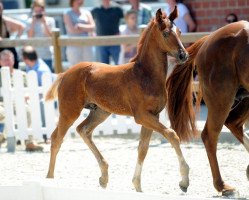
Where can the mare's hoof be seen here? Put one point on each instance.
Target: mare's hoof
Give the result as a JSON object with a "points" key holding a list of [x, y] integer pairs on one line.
{"points": [[247, 172], [102, 182], [184, 189]]}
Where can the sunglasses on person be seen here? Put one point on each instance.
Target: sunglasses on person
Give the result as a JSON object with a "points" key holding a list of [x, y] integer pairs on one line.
{"points": [[230, 20]]}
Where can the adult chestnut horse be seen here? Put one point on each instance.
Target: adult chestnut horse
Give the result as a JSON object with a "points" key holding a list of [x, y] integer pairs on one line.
{"points": [[135, 89], [222, 63]]}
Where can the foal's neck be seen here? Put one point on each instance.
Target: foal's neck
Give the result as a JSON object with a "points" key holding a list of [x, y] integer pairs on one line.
{"points": [[154, 60]]}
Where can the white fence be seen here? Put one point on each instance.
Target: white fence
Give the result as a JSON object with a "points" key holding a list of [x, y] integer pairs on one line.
{"points": [[22, 101]]}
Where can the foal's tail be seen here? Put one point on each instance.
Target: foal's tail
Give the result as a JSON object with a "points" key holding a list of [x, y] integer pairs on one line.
{"points": [[53, 92], [179, 87]]}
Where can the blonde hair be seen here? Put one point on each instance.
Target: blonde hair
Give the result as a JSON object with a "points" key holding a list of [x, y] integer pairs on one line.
{"points": [[130, 12], [38, 3], [6, 52]]}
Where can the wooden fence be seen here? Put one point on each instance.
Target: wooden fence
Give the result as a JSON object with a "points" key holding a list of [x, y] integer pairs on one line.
{"points": [[58, 42], [15, 92]]}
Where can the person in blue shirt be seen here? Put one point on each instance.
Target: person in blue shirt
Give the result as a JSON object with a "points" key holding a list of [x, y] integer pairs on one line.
{"points": [[33, 62]]}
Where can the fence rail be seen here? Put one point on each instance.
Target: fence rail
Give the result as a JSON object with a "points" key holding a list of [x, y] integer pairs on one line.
{"points": [[58, 41]]}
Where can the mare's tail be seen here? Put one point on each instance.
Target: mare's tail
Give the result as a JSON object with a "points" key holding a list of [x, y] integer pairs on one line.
{"points": [[52, 92], [180, 99]]}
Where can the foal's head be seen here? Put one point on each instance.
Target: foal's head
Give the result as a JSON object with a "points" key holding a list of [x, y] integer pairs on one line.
{"points": [[168, 34]]}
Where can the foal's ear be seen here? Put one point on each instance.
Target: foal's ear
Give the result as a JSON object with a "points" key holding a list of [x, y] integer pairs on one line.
{"points": [[173, 15], [159, 18]]}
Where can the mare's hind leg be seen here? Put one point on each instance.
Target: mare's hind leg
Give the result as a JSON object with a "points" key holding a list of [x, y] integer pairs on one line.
{"points": [[235, 121], [212, 129], [142, 151], [85, 130], [151, 121]]}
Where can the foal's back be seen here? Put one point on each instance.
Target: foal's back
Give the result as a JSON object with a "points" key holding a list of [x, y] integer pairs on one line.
{"points": [[109, 87]]}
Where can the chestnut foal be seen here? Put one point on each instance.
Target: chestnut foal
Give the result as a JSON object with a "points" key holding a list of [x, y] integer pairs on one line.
{"points": [[136, 89]]}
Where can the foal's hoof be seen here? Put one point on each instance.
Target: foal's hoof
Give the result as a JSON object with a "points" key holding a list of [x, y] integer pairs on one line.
{"points": [[230, 193], [183, 188], [137, 184], [102, 182], [184, 185], [247, 172]]}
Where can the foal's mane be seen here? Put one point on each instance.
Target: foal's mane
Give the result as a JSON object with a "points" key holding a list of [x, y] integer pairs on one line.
{"points": [[143, 41]]}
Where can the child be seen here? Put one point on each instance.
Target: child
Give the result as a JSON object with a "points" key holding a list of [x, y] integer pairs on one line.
{"points": [[131, 28]]}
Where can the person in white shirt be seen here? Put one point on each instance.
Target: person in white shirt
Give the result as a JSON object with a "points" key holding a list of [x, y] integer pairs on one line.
{"points": [[79, 23], [40, 25]]}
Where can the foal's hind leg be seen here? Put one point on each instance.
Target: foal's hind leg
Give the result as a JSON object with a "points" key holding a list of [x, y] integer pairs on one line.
{"points": [[56, 140], [142, 151], [85, 130], [151, 121]]}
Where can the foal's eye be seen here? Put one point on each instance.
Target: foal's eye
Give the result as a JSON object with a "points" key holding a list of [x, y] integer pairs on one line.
{"points": [[166, 33]]}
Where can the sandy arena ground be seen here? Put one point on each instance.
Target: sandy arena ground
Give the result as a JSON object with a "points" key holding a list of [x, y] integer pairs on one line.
{"points": [[77, 168]]}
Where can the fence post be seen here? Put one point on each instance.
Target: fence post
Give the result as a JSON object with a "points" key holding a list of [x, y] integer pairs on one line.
{"points": [[57, 50]]}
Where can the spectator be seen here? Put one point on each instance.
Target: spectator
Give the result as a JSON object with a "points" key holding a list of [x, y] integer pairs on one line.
{"points": [[184, 20], [129, 50], [107, 19], [34, 63], [144, 13], [9, 26], [7, 59], [230, 18], [40, 25], [78, 22]]}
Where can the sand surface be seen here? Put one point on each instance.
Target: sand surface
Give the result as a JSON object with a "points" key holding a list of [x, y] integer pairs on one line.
{"points": [[76, 166]]}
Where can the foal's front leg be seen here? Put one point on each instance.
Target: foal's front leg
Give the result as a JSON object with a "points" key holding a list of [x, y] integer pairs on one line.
{"points": [[151, 121], [142, 151]]}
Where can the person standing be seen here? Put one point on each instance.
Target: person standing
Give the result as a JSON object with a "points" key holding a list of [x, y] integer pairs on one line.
{"points": [[7, 27], [78, 22], [107, 19], [128, 51], [144, 13], [184, 21], [40, 25]]}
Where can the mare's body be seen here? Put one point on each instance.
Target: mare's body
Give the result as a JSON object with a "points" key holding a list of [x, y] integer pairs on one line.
{"points": [[222, 63], [136, 89]]}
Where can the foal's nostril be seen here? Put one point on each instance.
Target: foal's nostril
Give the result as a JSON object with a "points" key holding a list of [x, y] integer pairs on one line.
{"points": [[183, 56]]}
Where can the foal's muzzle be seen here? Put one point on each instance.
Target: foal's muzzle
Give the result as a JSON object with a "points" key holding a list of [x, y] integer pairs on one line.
{"points": [[182, 56]]}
